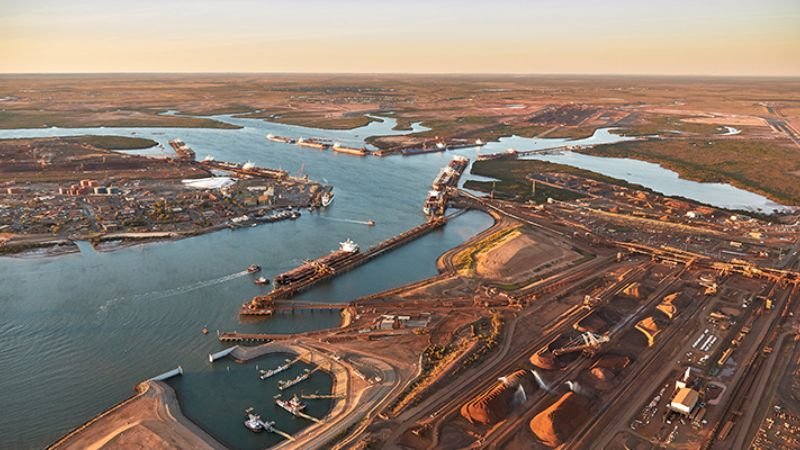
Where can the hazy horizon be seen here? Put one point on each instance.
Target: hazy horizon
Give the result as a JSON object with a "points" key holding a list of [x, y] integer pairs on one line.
{"points": [[620, 37]]}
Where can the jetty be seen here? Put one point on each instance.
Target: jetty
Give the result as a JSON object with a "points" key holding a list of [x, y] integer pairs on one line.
{"points": [[320, 396], [235, 336], [264, 374], [286, 384], [264, 304]]}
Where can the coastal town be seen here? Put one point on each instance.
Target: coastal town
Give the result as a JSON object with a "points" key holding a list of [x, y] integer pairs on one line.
{"points": [[56, 191]]}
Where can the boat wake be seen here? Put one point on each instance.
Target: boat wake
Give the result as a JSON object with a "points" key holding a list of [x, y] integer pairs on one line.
{"points": [[357, 222], [155, 295]]}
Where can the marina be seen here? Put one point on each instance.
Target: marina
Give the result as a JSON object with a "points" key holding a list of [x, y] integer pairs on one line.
{"points": [[236, 383]]}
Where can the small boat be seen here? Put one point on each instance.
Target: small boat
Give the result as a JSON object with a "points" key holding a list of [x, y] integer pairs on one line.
{"points": [[371, 223], [253, 268], [327, 198], [261, 281]]}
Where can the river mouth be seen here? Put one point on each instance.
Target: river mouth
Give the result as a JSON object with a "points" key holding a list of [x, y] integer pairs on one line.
{"points": [[216, 396]]}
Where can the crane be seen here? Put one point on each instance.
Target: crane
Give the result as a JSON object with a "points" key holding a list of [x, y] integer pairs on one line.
{"points": [[588, 342]]}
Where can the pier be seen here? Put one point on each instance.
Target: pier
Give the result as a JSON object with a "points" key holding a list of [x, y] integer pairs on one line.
{"points": [[286, 384], [262, 303], [304, 306], [220, 354], [320, 396], [238, 169], [167, 375], [235, 336]]}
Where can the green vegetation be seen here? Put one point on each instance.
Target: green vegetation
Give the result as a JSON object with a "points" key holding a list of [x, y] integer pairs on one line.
{"points": [[114, 142], [79, 119], [488, 334], [513, 183], [466, 261], [761, 166]]}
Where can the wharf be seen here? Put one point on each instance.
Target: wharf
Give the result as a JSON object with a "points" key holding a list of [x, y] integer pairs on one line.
{"points": [[261, 172], [263, 302], [514, 154], [297, 305], [235, 336]]}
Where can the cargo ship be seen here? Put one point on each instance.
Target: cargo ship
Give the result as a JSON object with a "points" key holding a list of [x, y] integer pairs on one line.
{"points": [[508, 154], [420, 151], [182, 150], [337, 147], [444, 178], [325, 264], [312, 143], [459, 163], [281, 139], [434, 204]]}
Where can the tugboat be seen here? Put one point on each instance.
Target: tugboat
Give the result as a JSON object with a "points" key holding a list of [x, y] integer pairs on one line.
{"points": [[261, 281], [253, 422], [294, 405], [253, 268], [327, 199]]}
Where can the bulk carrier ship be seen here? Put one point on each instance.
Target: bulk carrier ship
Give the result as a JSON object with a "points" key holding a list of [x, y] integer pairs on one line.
{"points": [[329, 262]]}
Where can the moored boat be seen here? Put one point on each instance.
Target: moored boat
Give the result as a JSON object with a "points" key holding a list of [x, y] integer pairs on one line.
{"points": [[293, 405], [327, 198]]}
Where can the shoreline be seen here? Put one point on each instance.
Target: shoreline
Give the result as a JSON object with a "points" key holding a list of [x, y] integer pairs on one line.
{"points": [[154, 405], [154, 410]]}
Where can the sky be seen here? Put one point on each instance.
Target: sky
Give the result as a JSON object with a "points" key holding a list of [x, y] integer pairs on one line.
{"points": [[687, 37]]}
